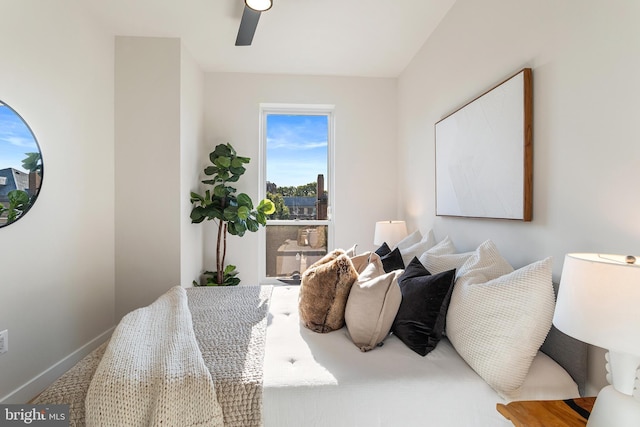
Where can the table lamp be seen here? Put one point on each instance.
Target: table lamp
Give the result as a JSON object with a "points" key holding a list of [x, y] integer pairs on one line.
{"points": [[390, 232], [599, 303]]}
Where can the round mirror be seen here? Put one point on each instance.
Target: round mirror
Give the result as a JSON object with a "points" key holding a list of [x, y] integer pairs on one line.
{"points": [[20, 166]]}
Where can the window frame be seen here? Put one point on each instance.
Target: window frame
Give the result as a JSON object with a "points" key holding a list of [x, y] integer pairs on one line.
{"points": [[327, 110]]}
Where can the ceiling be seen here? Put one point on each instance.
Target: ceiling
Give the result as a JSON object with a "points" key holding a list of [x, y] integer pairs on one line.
{"points": [[375, 38]]}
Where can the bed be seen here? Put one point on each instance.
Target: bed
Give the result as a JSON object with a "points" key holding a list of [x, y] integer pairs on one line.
{"points": [[325, 380], [268, 369]]}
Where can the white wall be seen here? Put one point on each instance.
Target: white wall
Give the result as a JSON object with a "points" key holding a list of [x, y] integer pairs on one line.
{"points": [[147, 155], [586, 158], [191, 153], [57, 263], [365, 152], [158, 139]]}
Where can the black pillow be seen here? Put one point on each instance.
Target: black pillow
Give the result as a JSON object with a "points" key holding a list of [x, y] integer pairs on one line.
{"points": [[383, 250], [392, 261], [423, 310]]}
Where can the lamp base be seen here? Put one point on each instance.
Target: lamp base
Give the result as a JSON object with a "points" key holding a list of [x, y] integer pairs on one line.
{"points": [[613, 408]]}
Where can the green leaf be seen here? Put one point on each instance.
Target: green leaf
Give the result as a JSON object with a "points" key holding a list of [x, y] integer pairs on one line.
{"points": [[213, 212], [221, 150], [220, 191], [210, 170], [252, 225], [32, 162], [231, 214], [222, 162], [237, 171], [232, 151], [244, 200], [197, 214], [17, 198], [195, 197], [236, 163], [266, 206], [243, 212], [232, 281], [240, 228], [243, 159]]}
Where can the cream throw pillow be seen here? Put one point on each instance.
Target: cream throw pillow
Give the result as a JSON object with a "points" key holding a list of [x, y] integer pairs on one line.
{"points": [[485, 263], [498, 319], [409, 240], [416, 249], [372, 305], [443, 257]]}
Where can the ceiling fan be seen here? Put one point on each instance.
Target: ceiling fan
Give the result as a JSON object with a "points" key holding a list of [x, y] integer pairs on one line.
{"points": [[249, 22]]}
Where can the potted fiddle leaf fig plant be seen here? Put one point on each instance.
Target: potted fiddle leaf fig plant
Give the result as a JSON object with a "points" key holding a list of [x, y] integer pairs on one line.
{"points": [[233, 214]]}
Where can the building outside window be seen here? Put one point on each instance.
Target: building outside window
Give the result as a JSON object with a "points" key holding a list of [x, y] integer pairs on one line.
{"points": [[296, 174]]}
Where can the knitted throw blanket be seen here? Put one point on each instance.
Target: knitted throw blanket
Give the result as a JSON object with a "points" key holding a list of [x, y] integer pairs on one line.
{"points": [[230, 324], [152, 372]]}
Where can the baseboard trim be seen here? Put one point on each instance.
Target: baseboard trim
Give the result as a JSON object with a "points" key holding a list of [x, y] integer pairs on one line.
{"points": [[33, 387]]}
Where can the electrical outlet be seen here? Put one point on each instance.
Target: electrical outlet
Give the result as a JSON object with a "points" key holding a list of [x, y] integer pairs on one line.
{"points": [[4, 341]]}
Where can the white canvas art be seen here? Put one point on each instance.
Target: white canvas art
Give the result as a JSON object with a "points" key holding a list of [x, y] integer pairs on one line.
{"points": [[483, 155]]}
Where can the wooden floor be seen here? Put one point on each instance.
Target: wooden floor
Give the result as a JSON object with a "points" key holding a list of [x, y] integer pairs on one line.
{"points": [[548, 413]]}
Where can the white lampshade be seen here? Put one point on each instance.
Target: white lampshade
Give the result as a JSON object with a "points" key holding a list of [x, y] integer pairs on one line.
{"points": [[259, 5], [599, 301], [390, 232]]}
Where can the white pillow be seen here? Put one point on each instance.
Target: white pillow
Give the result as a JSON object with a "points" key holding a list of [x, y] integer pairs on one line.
{"points": [[445, 246], [485, 263], [498, 325], [417, 249], [351, 252], [410, 240], [443, 257]]}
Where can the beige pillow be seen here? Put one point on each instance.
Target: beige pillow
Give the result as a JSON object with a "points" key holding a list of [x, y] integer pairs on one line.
{"points": [[361, 261], [372, 305], [324, 290]]}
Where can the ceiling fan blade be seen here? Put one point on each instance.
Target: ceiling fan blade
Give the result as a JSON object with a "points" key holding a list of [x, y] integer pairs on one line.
{"points": [[248, 26]]}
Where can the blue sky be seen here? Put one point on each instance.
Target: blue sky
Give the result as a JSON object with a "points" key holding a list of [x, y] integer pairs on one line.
{"points": [[15, 139], [296, 149]]}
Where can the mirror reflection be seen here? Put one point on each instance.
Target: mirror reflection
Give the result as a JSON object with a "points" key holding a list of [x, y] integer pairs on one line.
{"points": [[20, 166]]}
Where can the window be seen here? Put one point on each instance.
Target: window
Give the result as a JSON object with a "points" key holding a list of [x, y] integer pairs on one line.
{"points": [[296, 147]]}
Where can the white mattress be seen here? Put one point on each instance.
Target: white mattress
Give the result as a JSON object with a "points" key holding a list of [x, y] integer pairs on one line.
{"points": [[313, 379]]}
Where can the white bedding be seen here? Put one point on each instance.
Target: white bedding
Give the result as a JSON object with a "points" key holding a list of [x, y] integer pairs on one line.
{"points": [[313, 379]]}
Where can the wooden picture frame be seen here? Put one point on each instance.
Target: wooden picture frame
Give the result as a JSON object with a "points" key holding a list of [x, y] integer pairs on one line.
{"points": [[484, 154]]}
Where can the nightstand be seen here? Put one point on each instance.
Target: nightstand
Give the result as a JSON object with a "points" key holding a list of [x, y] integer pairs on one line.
{"points": [[548, 413]]}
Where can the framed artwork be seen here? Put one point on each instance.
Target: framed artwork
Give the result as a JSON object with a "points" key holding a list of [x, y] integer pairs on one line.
{"points": [[484, 154]]}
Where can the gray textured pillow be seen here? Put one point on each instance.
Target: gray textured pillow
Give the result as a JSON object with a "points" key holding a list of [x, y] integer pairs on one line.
{"points": [[372, 305]]}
